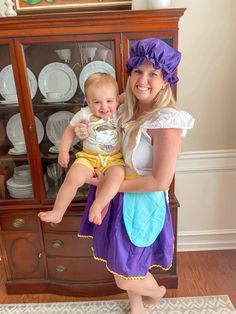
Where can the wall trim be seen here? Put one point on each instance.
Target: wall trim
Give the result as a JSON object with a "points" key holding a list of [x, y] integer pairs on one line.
{"points": [[206, 161], [205, 240]]}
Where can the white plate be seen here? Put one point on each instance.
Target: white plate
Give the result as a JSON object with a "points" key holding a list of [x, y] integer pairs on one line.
{"points": [[56, 125], [7, 82], [94, 67], [13, 151], [54, 150], [53, 100], [15, 130], [12, 184], [7, 102], [58, 77]]}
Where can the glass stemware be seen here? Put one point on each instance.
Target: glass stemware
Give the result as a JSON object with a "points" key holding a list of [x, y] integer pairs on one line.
{"points": [[55, 172]]}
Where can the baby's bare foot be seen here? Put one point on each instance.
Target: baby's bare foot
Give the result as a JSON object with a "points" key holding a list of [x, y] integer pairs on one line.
{"points": [[95, 215], [149, 302], [51, 216]]}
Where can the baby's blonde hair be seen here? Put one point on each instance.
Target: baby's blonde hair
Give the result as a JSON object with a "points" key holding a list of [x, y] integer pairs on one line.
{"points": [[99, 79], [163, 99]]}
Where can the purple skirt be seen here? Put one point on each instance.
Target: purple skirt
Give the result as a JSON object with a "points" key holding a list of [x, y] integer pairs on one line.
{"points": [[111, 242]]}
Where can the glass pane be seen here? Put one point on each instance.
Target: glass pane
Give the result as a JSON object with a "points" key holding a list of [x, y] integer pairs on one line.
{"points": [[15, 176], [61, 69], [168, 40]]}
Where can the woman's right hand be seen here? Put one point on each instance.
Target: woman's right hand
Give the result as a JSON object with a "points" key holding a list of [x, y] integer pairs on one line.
{"points": [[97, 179], [81, 130]]}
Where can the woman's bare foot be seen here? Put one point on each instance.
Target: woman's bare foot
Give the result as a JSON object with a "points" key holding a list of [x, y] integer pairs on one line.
{"points": [[149, 302], [137, 311], [51, 216], [136, 303]]}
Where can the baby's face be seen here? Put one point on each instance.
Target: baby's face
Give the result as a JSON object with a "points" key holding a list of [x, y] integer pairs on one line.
{"points": [[102, 100]]}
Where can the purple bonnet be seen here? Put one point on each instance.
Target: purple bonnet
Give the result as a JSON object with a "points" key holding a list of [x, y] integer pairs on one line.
{"points": [[160, 54]]}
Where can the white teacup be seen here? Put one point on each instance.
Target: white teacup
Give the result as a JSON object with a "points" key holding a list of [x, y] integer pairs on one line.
{"points": [[57, 144], [88, 53], [53, 95], [102, 53], [10, 97], [64, 54], [20, 147]]}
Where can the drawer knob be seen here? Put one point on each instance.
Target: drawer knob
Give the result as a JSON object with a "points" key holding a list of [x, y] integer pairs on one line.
{"points": [[18, 223], [53, 225], [60, 268], [57, 244]]}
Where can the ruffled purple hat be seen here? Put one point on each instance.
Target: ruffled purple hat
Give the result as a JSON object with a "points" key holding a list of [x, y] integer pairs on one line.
{"points": [[161, 55]]}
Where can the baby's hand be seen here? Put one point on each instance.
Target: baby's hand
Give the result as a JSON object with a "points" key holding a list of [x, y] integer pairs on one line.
{"points": [[81, 130], [63, 159]]}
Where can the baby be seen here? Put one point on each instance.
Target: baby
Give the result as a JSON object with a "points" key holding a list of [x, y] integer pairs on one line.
{"points": [[100, 150]]}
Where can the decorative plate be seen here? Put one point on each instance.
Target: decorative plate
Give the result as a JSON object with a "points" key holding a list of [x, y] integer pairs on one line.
{"points": [[8, 102], [94, 67], [44, 100], [58, 77], [56, 125], [15, 130], [7, 82]]}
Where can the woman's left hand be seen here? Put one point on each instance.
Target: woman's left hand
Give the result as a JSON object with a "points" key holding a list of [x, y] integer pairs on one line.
{"points": [[81, 130], [97, 178]]}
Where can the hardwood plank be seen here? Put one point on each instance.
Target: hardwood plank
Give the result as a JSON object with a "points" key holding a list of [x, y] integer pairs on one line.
{"points": [[200, 274]]}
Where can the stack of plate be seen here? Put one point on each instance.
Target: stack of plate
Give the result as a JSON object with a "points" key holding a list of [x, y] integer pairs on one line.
{"points": [[20, 185]]}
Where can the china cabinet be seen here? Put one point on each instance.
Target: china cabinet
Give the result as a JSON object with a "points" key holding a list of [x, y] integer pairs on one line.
{"points": [[44, 60]]}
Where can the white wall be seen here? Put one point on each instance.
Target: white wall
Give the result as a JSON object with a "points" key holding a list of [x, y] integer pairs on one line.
{"points": [[207, 71], [2, 7], [205, 187], [206, 171]]}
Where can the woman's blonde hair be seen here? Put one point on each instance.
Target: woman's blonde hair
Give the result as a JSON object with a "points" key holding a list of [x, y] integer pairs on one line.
{"points": [[163, 99]]}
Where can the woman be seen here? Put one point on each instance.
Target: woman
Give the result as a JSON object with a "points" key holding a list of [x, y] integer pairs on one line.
{"points": [[136, 233]]}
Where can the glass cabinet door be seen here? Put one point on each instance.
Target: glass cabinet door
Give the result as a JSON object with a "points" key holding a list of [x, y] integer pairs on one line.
{"points": [[61, 70], [15, 175]]}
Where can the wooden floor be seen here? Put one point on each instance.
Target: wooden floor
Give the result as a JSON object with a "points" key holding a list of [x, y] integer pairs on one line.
{"points": [[200, 274]]}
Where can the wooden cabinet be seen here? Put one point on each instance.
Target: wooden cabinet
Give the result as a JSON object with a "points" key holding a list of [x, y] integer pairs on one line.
{"points": [[43, 60]]}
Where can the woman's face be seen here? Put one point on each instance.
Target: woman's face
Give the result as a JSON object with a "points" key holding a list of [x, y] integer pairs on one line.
{"points": [[146, 82]]}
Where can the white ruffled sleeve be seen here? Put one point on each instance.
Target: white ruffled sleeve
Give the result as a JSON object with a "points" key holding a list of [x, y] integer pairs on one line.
{"points": [[172, 118]]}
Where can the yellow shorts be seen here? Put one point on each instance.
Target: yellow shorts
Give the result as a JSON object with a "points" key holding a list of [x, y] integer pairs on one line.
{"points": [[99, 160]]}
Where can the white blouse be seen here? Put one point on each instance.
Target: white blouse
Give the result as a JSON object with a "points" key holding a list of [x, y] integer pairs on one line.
{"points": [[139, 160]]}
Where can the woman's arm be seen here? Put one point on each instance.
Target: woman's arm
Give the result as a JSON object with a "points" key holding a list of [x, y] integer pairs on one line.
{"points": [[166, 148]]}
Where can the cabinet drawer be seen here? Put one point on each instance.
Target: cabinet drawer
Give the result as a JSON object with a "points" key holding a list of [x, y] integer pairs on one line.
{"points": [[68, 223], [19, 222], [77, 269], [69, 244]]}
